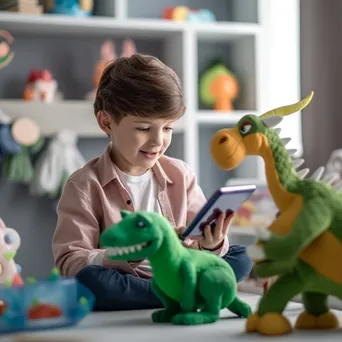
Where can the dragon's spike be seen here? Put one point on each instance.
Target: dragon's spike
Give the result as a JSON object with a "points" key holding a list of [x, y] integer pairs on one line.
{"points": [[285, 141], [297, 162], [286, 110], [338, 185], [272, 121], [302, 173], [291, 151], [330, 178], [318, 173], [277, 130]]}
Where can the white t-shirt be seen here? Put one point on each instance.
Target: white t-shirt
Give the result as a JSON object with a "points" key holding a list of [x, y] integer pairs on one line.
{"points": [[143, 191]]}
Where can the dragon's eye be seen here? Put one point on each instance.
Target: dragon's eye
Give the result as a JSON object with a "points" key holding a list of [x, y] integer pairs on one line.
{"points": [[245, 127], [141, 224]]}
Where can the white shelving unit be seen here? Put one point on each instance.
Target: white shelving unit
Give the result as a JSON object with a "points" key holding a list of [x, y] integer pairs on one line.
{"points": [[258, 39]]}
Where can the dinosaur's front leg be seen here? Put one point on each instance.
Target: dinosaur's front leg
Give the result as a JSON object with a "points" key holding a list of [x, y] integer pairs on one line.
{"points": [[171, 307], [268, 320]]}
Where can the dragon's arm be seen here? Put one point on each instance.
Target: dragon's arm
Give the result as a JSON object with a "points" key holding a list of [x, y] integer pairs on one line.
{"points": [[189, 276], [271, 268], [312, 220]]}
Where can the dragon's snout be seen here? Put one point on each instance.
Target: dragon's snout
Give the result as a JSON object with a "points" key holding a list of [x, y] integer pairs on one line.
{"points": [[227, 148]]}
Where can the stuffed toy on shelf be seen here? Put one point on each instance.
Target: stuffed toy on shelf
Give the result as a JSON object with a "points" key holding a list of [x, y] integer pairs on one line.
{"points": [[41, 86], [75, 8], [183, 13], [218, 87], [108, 54]]}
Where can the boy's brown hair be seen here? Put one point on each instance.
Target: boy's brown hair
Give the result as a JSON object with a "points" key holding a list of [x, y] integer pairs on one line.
{"points": [[139, 85]]}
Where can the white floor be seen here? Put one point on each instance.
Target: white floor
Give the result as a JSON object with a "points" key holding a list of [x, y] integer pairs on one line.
{"points": [[129, 326]]}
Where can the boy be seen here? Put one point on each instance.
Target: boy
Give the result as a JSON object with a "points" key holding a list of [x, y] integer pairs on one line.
{"points": [[137, 102]]}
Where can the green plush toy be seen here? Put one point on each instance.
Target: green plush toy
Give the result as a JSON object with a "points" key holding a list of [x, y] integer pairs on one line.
{"points": [[193, 285], [304, 243]]}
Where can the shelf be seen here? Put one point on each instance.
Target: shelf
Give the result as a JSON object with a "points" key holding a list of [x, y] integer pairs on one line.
{"points": [[219, 31], [208, 117], [47, 24], [51, 118]]}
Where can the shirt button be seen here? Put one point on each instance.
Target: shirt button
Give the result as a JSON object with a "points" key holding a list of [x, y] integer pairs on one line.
{"points": [[129, 202]]}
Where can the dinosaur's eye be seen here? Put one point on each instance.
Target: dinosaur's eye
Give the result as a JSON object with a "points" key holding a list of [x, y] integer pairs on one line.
{"points": [[245, 127], [141, 224]]}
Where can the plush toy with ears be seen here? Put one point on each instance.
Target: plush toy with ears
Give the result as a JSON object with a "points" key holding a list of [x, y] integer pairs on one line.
{"points": [[108, 54]]}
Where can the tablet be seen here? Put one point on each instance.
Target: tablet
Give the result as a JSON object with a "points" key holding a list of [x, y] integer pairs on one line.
{"points": [[226, 199]]}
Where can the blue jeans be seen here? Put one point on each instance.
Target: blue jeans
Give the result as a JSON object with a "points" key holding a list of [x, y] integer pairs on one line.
{"points": [[116, 291]]}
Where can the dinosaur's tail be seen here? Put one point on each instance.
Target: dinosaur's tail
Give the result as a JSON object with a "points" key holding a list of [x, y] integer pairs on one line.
{"points": [[240, 308]]}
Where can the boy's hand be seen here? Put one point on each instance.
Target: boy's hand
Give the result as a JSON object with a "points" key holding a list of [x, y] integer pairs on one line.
{"points": [[213, 238], [187, 242]]}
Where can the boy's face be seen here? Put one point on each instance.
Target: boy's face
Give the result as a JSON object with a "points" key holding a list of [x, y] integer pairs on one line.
{"points": [[138, 142]]}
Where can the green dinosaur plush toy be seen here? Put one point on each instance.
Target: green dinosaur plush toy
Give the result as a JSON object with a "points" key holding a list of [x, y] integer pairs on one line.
{"points": [[193, 285], [304, 243]]}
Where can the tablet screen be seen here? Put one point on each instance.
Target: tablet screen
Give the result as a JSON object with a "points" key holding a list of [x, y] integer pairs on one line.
{"points": [[226, 199]]}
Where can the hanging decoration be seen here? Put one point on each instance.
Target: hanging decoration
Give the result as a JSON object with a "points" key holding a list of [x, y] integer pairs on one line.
{"points": [[7, 144], [6, 55], [23, 139], [54, 166]]}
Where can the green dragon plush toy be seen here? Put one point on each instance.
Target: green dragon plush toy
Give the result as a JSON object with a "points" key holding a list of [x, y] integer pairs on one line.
{"points": [[193, 285], [304, 243]]}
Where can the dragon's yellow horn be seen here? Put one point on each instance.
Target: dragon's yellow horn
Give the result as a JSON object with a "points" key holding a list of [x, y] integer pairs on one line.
{"points": [[290, 109]]}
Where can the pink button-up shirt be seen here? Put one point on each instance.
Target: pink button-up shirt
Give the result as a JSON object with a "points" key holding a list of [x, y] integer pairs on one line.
{"points": [[93, 197]]}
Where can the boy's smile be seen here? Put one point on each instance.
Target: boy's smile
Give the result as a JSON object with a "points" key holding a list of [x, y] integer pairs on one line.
{"points": [[150, 155]]}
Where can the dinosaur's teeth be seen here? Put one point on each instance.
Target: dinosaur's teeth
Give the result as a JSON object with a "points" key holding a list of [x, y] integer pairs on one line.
{"points": [[272, 121], [318, 173], [113, 251], [302, 173], [297, 162], [285, 141]]}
